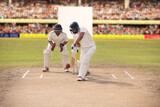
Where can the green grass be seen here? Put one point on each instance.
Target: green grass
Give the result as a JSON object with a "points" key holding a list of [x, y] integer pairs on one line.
{"points": [[16, 52]]}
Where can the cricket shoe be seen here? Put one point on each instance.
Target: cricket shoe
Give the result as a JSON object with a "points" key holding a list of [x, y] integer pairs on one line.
{"points": [[80, 79], [45, 69], [66, 69]]}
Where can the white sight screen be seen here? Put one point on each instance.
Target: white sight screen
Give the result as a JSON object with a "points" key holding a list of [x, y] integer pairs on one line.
{"points": [[82, 15]]}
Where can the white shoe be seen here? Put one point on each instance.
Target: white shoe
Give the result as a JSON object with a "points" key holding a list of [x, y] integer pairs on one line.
{"points": [[80, 79], [66, 69], [45, 69]]}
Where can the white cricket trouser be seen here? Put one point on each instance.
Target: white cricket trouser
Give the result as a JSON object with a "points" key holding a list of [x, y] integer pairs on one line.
{"points": [[47, 53], [86, 54]]}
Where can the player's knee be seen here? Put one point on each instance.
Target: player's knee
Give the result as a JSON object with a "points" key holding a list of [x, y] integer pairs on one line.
{"points": [[47, 52], [85, 59]]}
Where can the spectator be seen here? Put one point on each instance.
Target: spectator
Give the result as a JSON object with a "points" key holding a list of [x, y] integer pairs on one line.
{"points": [[126, 29], [106, 10], [97, 29], [29, 28]]}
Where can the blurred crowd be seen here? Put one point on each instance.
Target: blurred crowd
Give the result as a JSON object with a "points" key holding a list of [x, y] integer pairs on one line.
{"points": [[126, 29], [102, 10], [97, 29], [143, 10], [26, 28], [106, 9], [137, 10], [30, 10]]}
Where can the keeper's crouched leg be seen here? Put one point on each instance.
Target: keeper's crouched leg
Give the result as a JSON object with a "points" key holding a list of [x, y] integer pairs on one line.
{"points": [[47, 54], [65, 59]]}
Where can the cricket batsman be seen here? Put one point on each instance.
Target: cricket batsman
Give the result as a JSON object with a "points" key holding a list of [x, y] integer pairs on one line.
{"points": [[88, 48], [59, 39]]}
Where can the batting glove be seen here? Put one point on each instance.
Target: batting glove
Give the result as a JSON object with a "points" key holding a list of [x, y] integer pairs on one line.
{"points": [[77, 44]]}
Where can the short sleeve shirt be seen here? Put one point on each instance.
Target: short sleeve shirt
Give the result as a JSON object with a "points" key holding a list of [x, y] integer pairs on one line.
{"points": [[57, 39], [87, 40]]}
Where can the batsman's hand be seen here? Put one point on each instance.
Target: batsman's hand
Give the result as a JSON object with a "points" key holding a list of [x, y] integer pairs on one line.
{"points": [[61, 47], [53, 46], [77, 44]]}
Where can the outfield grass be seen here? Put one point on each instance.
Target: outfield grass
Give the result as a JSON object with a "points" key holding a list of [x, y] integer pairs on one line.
{"points": [[16, 52]]}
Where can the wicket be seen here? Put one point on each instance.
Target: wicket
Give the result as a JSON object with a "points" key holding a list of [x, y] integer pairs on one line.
{"points": [[75, 67]]}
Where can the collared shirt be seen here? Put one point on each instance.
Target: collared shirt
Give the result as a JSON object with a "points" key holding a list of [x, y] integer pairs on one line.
{"points": [[87, 40], [57, 39]]}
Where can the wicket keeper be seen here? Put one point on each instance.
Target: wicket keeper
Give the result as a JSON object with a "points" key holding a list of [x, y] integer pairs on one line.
{"points": [[59, 39]]}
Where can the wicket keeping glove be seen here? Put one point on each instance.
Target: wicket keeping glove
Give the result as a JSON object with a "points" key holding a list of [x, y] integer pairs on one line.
{"points": [[61, 47], [53, 46]]}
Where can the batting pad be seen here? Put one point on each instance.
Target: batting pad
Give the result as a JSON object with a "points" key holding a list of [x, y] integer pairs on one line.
{"points": [[82, 15]]}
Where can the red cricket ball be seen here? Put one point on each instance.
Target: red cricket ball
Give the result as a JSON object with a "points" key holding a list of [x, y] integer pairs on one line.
{"points": [[68, 66]]}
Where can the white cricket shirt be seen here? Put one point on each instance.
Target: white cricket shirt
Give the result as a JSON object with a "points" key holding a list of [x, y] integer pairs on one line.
{"points": [[87, 40], [57, 39]]}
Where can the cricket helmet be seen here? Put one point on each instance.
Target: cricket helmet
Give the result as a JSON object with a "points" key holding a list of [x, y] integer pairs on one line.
{"points": [[57, 27], [73, 26]]}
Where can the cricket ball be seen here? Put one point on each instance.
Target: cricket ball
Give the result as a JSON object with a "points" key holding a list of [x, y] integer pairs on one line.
{"points": [[68, 66]]}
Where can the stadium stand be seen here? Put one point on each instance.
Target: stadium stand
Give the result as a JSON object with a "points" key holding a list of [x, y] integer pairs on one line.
{"points": [[126, 29], [26, 28], [97, 29], [140, 17], [106, 10]]}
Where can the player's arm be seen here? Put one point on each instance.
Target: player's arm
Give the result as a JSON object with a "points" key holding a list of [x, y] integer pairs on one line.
{"points": [[79, 38], [64, 43], [51, 43], [65, 39], [50, 38]]}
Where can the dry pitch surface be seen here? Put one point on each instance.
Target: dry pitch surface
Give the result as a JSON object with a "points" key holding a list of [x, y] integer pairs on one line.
{"points": [[105, 87]]}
